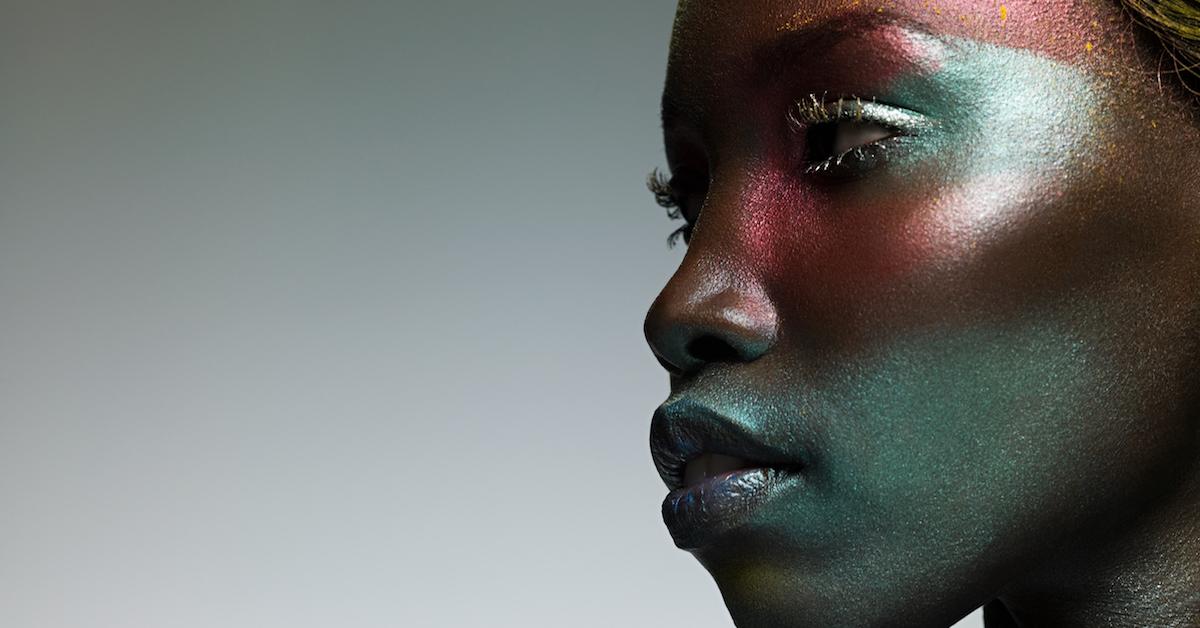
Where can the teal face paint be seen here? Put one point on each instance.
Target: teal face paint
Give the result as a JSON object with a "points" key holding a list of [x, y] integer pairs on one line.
{"points": [[955, 371]]}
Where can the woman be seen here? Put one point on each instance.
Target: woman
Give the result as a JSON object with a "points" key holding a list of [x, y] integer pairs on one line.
{"points": [[934, 341]]}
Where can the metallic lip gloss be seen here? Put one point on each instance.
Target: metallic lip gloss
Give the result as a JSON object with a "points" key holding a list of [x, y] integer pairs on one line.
{"points": [[698, 515]]}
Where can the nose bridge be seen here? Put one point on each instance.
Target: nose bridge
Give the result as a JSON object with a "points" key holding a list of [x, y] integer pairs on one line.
{"points": [[713, 284], [713, 309]]}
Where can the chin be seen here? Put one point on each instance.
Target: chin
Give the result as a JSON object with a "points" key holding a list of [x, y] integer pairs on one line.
{"points": [[820, 594]]}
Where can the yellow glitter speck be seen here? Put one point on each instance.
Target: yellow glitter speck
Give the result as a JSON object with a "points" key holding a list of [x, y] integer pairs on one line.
{"points": [[1003, 13], [1088, 46], [799, 20]]}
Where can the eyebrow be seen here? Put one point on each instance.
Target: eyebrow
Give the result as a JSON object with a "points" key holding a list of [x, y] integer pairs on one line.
{"points": [[795, 47]]}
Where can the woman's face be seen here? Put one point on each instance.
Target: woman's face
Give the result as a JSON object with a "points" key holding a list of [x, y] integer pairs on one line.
{"points": [[938, 305]]}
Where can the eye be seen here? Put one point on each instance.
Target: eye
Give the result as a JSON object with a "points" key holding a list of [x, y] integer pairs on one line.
{"points": [[850, 135], [831, 139]]}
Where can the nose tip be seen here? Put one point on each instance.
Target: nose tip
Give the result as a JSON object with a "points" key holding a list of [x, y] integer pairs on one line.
{"points": [[688, 328]]}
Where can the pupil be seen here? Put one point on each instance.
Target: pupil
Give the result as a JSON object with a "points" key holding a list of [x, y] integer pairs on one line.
{"points": [[820, 140]]}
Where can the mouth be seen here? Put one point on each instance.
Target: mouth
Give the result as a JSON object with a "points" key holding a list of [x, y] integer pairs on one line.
{"points": [[719, 474], [709, 466]]}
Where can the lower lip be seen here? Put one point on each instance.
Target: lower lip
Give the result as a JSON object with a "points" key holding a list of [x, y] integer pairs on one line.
{"points": [[697, 515]]}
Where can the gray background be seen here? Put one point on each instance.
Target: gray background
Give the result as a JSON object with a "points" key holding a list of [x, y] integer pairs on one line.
{"points": [[329, 314]]}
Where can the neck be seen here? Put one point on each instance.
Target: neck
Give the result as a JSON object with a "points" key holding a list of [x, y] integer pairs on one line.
{"points": [[1148, 574]]}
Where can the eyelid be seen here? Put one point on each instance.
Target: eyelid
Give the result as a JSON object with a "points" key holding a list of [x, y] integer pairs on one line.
{"points": [[817, 110]]}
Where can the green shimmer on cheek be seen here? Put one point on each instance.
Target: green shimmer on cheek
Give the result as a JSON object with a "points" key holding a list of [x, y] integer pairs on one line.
{"points": [[933, 450], [939, 408]]}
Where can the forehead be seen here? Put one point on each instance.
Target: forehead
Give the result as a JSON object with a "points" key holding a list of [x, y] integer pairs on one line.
{"points": [[728, 32]]}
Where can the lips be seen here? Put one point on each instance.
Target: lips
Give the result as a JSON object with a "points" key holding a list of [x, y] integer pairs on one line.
{"points": [[720, 471]]}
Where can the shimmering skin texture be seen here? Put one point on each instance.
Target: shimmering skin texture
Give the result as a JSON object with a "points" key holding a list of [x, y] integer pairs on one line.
{"points": [[984, 346]]}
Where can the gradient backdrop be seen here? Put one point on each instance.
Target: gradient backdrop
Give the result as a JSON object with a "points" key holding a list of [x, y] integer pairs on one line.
{"points": [[326, 314]]}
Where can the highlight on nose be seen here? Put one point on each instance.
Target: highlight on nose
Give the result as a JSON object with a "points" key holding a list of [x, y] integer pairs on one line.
{"points": [[687, 331]]}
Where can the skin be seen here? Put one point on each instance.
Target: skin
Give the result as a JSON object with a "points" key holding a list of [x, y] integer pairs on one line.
{"points": [[983, 347]]}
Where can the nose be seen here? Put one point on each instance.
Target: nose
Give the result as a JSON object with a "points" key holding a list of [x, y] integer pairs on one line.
{"points": [[710, 314]]}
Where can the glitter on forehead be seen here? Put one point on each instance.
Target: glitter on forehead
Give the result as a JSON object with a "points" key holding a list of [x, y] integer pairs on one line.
{"points": [[1030, 24]]}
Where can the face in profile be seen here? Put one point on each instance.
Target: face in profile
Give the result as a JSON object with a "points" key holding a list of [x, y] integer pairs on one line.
{"points": [[933, 342]]}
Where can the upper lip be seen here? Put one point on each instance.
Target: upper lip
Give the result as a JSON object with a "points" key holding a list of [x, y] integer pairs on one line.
{"points": [[683, 428]]}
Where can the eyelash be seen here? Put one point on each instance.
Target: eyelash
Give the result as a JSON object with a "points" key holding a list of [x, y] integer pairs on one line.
{"points": [[666, 197]]}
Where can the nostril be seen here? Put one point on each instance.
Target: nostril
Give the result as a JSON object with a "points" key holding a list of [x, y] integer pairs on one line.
{"points": [[709, 348], [694, 322]]}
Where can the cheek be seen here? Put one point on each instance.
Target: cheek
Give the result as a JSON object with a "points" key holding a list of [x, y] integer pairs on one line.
{"points": [[1009, 245], [1033, 339], [889, 265], [1007, 428]]}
